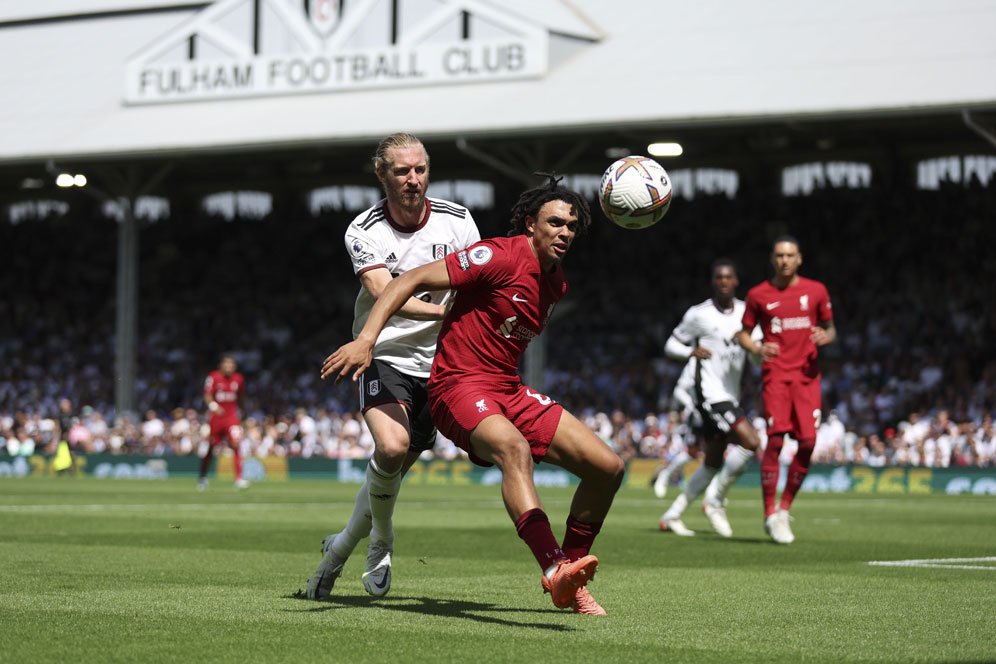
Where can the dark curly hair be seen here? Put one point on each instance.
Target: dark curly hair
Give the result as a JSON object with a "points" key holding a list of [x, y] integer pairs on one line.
{"points": [[532, 200], [722, 262]]}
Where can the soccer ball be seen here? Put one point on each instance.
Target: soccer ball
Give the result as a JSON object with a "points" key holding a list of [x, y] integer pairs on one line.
{"points": [[635, 192]]}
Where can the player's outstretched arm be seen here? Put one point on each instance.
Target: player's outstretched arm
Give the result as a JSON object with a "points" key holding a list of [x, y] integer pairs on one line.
{"points": [[357, 355], [375, 281]]}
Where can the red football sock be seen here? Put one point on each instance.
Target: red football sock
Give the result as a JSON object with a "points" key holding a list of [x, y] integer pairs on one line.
{"points": [[237, 462], [533, 527], [769, 473], [579, 537], [797, 472], [206, 462]]}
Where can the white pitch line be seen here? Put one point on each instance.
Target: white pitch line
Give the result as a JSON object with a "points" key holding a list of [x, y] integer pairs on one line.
{"points": [[939, 563]]}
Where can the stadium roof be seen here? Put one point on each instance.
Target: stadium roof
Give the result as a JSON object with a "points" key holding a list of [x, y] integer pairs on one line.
{"points": [[145, 79]]}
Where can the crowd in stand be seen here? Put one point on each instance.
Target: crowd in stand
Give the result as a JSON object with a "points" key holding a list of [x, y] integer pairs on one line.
{"points": [[911, 380]]}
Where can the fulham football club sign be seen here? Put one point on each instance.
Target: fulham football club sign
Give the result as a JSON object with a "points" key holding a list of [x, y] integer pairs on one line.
{"points": [[240, 48]]}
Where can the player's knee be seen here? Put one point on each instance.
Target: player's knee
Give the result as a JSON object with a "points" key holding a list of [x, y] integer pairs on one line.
{"points": [[512, 455], [612, 472], [393, 448], [806, 448], [714, 461], [748, 439]]}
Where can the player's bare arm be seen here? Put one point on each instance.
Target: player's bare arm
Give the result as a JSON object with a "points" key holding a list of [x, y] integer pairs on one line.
{"points": [[357, 355], [211, 404], [767, 350], [375, 281], [824, 334]]}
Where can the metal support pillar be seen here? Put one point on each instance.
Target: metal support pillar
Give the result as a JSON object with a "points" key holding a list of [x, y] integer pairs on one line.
{"points": [[126, 319], [124, 186]]}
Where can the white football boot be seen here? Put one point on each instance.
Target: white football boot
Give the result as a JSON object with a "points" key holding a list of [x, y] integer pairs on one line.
{"points": [[717, 517], [676, 526], [777, 527], [321, 582], [661, 482], [377, 578]]}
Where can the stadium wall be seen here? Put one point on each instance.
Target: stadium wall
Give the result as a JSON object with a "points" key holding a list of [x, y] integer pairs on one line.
{"points": [[821, 479]]}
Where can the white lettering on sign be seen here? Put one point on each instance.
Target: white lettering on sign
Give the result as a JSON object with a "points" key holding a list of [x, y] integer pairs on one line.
{"points": [[347, 46]]}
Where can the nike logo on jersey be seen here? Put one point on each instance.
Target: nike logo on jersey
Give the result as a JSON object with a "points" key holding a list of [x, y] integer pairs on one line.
{"points": [[518, 298], [772, 305]]}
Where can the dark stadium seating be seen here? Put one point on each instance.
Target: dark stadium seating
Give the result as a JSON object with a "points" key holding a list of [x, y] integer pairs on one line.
{"points": [[911, 275]]}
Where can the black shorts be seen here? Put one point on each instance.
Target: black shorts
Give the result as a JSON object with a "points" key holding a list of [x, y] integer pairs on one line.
{"points": [[383, 384], [720, 416]]}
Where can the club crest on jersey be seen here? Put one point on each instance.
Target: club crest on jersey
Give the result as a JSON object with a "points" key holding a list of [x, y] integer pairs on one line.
{"points": [[439, 251], [373, 387], [480, 255], [804, 302]]}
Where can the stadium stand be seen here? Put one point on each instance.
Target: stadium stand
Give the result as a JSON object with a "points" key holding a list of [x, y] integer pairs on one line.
{"points": [[911, 273]]}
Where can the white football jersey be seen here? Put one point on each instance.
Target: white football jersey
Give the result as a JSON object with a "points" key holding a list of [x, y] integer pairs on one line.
{"points": [[373, 240], [717, 378]]}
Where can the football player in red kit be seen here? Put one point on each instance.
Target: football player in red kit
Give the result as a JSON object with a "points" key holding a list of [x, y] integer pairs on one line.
{"points": [[506, 290], [796, 319], [224, 395]]}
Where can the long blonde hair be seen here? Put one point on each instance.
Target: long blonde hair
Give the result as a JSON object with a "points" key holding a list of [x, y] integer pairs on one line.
{"points": [[396, 140]]}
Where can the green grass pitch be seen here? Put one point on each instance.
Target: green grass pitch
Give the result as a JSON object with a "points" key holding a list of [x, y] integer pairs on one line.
{"points": [[133, 571]]}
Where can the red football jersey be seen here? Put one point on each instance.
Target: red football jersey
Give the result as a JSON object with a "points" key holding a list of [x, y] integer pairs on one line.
{"points": [[225, 390], [503, 301], [787, 316]]}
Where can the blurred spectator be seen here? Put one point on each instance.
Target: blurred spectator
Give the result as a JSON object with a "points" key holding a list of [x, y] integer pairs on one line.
{"points": [[913, 381]]}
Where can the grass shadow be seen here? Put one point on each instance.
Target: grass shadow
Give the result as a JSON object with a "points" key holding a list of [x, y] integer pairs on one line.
{"points": [[444, 608], [713, 537]]}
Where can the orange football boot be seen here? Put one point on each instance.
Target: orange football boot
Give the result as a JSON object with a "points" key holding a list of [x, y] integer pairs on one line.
{"points": [[567, 578]]}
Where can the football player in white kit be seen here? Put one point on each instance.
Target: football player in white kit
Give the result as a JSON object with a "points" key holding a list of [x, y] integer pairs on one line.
{"points": [[683, 404], [401, 232], [705, 338]]}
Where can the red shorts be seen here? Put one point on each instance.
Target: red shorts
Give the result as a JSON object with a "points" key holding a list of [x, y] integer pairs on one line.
{"points": [[793, 408], [457, 410], [225, 428]]}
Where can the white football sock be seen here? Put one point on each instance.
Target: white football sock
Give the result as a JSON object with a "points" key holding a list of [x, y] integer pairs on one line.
{"points": [[356, 528], [699, 481], [677, 508], [383, 495], [677, 463], [736, 461]]}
